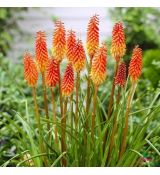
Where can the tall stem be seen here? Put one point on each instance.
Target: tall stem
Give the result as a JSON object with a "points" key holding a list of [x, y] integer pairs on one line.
{"points": [[88, 88], [63, 127], [94, 112], [45, 101], [110, 104], [42, 149], [87, 107], [60, 92], [54, 118], [112, 91], [125, 129], [71, 115], [114, 124], [77, 101]]}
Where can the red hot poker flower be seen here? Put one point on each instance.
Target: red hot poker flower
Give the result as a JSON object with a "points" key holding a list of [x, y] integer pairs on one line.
{"points": [[68, 81], [52, 73], [41, 51], [135, 66], [98, 69], [59, 41], [93, 35], [120, 78], [30, 70], [79, 56], [118, 46], [70, 44]]}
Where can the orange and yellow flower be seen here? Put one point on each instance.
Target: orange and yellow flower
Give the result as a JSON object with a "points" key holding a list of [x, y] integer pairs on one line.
{"points": [[98, 69], [93, 35], [118, 46], [41, 51], [67, 85], [70, 44], [59, 41], [30, 70], [120, 78], [79, 58], [135, 66], [52, 73]]}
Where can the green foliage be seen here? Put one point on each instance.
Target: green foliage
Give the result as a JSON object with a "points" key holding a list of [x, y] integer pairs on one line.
{"points": [[19, 131], [8, 23], [151, 63]]}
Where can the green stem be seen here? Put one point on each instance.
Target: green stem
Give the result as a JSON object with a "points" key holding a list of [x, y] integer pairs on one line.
{"points": [[94, 112], [125, 129], [112, 91], [87, 111], [42, 149], [71, 114], [60, 92], [63, 139], [110, 104], [54, 118], [114, 125], [77, 101], [45, 101]]}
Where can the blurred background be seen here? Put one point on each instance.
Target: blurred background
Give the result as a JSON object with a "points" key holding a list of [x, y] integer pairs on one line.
{"points": [[18, 27]]}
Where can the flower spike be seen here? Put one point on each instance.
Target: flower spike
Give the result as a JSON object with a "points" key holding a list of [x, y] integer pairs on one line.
{"points": [[79, 57], [135, 66], [59, 41], [120, 78], [93, 35], [30, 70], [68, 81], [118, 46], [98, 69], [41, 51], [70, 44], [52, 73]]}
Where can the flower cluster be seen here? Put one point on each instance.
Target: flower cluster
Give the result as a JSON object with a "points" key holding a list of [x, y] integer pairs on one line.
{"points": [[68, 45], [30, 70], [118, 46], [98, 69], [93, 36]]}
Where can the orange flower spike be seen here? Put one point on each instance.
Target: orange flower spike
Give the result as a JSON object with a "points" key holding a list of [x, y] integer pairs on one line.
{"points": [[68, 81], [70, 44], [93, 35], [30, 70], [52, 73], [118, 46], [120, 78], [98, 69], [79, 59], [135, 66], [41, 51], [59, 41]]}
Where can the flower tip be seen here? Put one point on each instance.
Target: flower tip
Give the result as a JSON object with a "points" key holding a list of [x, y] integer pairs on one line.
{"points": [[120, 78], [67, 85], [79, 58], [59, 41], [41, 51], [52, 73], [98, 69], [135, 66], [30, 70], [118, 45], [93, 35]]}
